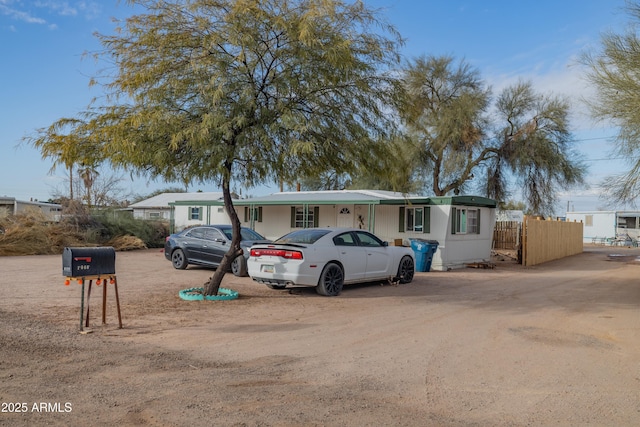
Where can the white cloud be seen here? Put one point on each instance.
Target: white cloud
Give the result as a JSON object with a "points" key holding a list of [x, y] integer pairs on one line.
{"points": [[6, 9], [565, 79], [60, 8], [90, 9], [17, 10]]}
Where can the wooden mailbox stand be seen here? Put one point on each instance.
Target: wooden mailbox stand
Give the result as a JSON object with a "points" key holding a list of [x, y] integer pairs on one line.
{"points": [[103, 280]]}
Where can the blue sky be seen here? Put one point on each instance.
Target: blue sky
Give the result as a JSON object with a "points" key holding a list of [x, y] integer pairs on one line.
{"points": [[44, 75]]}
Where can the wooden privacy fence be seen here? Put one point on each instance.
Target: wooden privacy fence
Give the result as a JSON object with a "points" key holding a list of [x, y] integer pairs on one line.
{"points": [[544, 241], [506, 235]]}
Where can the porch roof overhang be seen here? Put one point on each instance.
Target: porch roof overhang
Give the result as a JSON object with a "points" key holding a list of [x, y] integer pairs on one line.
{"points": [[347, 197]]}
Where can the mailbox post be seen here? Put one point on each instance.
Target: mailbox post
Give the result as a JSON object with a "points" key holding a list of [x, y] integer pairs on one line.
{"points": [[99, 264]]}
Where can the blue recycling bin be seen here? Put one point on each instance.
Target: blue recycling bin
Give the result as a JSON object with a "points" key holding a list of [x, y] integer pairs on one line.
{"points": [[423, 251]]}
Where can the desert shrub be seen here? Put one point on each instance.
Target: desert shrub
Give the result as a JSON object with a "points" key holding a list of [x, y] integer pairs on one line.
{"points": [[110, 224], [126, 243], [32, 233]]}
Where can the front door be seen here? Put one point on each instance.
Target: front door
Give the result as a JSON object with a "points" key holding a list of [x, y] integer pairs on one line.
{"points": [[345, 216]]}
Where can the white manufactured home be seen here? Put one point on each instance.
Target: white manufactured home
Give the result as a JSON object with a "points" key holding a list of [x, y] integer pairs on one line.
{"points": [[158, 208], [608, 226], [463, 225]]}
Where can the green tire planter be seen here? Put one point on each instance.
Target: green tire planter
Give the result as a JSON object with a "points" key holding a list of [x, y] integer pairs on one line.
{"points": [[197, 294]]}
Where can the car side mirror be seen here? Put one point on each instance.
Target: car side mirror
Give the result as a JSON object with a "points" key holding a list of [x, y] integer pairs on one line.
{"points": [[385, 243]]}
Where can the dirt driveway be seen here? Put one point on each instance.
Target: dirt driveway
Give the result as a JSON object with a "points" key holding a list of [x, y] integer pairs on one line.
{"points": [[557, 344]]}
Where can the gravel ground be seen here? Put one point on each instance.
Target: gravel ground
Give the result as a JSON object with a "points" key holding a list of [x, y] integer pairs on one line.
{"points": [[556, 344]]}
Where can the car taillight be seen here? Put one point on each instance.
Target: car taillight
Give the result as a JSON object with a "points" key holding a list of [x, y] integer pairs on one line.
{"points": [[277, 252]]}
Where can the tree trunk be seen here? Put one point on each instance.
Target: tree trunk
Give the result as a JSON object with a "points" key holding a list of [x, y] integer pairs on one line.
{"points": [[71, 182], [234, 250]]}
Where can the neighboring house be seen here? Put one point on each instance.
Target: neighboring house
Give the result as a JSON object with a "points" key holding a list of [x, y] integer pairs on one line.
{"points": [[158, 207], [11, 206], [510, 216], [463, 225], [606, 226]]}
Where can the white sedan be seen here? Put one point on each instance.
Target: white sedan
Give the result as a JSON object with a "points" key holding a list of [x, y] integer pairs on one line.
{"points": [[328, 258]]}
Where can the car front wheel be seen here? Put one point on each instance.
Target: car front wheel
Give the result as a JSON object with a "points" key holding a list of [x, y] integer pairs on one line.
{"points": [[331, 280], [179, 260], [406, 269]]}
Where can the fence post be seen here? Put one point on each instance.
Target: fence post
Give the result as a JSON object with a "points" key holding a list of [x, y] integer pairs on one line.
{"points": [[524, 240]]}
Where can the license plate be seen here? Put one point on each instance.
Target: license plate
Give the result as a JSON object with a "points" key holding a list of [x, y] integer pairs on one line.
{"points": [[266, 268]]}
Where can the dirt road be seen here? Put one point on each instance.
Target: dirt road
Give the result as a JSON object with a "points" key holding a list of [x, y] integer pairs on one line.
{"points": [[557, 344]]}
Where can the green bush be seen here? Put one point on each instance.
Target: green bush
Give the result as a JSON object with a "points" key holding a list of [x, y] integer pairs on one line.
{"points": [[111, 224]]}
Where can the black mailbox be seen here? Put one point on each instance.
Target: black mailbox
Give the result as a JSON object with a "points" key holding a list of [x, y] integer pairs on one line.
{"points": [[85, 262]]}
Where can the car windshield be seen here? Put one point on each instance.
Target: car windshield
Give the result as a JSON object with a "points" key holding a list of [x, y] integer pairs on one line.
{"points": [[245, 234], [310, 235]]}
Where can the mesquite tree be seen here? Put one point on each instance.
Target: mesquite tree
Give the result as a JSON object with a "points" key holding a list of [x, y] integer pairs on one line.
{"points": [[614, 71], [245, 91], [460, 134]]}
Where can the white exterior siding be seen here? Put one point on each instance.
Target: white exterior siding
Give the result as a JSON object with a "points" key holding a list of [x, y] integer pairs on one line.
{"points": [[11, 206], [159, 208], [328, 216], [276, 222], [605, 226], [51, 211], [460, 248], [208, 215], [387, 221], [152, 214], [379, 212], [596, 225]]}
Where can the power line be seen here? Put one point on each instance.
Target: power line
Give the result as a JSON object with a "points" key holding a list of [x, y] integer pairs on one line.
{"points": [[606, 159], [593, 139]]}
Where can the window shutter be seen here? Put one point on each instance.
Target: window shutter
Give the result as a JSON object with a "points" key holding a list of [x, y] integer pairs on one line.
{"points": [[246, 214], [478, 223], [293, 217], [259, 213], [401, 220], [316, 214], [426, 221], [453, 220]]}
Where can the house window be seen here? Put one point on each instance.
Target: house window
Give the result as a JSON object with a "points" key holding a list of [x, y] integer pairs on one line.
{"points": [[588, 220], [465, 221], [304, 216], [416, 219], [195, 213], [472, 221], [154, 215], [254, 214]]}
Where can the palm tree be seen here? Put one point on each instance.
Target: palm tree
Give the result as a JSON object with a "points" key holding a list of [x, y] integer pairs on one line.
{"points": [[88, 174]]}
